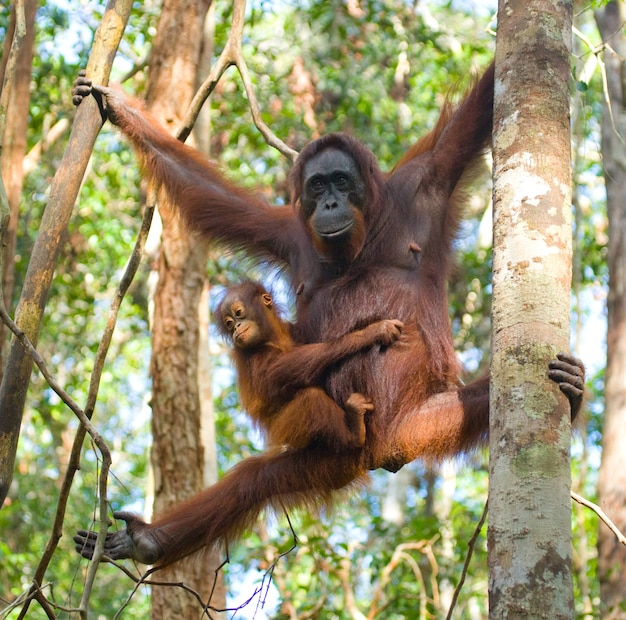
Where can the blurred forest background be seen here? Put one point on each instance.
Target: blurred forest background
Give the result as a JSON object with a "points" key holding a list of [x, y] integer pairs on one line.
{"points": [[379, 69]]}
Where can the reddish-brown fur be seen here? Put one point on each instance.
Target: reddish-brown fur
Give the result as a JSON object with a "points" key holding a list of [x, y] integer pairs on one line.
{"points": [[279, 380], [396, 267]]}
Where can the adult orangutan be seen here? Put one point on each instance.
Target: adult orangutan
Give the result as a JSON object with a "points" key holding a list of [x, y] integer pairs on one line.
{"points": [[359, 246]]}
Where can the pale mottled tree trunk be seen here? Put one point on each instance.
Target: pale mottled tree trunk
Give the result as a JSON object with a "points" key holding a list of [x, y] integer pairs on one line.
{"points": [[612, 482], [529, 496]]}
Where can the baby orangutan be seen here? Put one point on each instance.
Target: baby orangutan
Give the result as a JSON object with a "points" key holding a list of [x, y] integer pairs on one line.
{"points": [[279, 380]]}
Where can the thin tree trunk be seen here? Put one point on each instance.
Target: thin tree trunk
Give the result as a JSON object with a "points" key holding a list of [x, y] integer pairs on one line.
{"points": [[209, 443], [612, 481], [14, 150], [177, 454], [202, 135], [529, 495], [63, 192]]}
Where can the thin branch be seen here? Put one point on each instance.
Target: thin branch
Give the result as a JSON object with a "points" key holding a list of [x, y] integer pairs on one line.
{"points": [[85, 422], [39, 361], [143, 580], [31, 160], [596, 50], [266, 132], [603, 516], [607, 96], [103, 348], [233, 55], [468, 557], [417, 572], [399, 554], [136, 68], [343, 573], [84, 417], [203, 93]]}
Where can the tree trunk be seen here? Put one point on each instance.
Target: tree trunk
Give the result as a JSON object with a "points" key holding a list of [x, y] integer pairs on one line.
{"points": [[209, 443], [61, 199], [14, 150], [177, 454], [529, 497], [612, 481], [202, 136]]}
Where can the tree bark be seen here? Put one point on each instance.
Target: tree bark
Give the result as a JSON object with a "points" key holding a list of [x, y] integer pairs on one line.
{"points": [[202, 136], [529, 497], [14, 150], [63, 192], [177, 453], [612, 481]]}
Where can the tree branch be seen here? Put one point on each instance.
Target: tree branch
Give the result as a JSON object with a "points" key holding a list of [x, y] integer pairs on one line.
{"points": [[63, 192], [47, 140], [400, 554], [233, 55], [468, 557], [603, 516]]}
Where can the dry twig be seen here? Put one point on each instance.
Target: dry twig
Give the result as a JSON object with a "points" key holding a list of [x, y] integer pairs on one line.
{"points": [[400, 554], [603, 516], [468, 557], [232, 55]]}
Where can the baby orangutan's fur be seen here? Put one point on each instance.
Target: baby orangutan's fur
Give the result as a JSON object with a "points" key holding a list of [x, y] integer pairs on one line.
{"points": [[279, 381]]}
